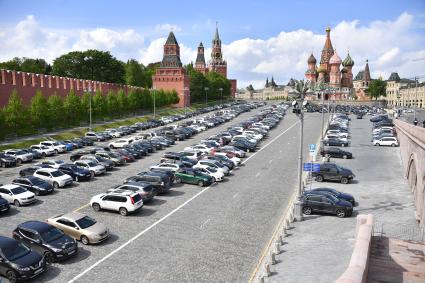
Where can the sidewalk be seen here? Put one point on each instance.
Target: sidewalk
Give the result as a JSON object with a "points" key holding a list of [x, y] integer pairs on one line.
{"points": [[319, 248]]}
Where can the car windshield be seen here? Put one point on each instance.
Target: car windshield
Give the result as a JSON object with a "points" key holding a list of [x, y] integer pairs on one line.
{"points": [[113, 155], [13, 252], [85, 222], [56, 173], [44, 147], [51, 235], [91, 164], [211, 169], [36, 181], [18, 190], [55, 143], [19, 152]]}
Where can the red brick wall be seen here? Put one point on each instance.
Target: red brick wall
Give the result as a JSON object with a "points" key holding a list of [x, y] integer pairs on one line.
{"points": [[234, 87], [173, 79], [26, 84]]}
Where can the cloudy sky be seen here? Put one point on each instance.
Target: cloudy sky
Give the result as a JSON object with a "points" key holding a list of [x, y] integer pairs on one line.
{"points": [[260, 38]]}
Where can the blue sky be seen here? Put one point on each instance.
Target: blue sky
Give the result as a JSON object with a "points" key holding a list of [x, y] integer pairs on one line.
{"points": [[135, 29]]}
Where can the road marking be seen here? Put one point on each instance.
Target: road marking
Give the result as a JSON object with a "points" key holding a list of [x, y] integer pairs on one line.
{"points": [[169, 214], [204, 224], [81, 207], [258, 174], [235, 195]]}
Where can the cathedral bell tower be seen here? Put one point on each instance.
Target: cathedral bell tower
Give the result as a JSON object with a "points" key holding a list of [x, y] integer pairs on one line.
{"points": [[217, 64]]}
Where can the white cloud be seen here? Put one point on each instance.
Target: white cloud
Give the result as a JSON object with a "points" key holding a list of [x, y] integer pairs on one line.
{"points": [[389, 45]]}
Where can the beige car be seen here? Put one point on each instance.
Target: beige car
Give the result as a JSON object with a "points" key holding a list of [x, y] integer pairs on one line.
{"points": [[80, 227]]}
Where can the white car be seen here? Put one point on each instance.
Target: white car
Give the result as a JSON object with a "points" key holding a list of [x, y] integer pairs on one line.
{"points": [[94, 168], [52, 163], [53, 176], [20, 155], [204, 163], [125, 202], [17, 195], [388, 141], [54, 145], [114, 133], [261, 126], [193, 154], [166, 166], [378, 130], [336, 132], [236, 160], [43, 150], [201, 147], [198, 128], [252, 134], [213, 172], [120, 143], [332, 136]]}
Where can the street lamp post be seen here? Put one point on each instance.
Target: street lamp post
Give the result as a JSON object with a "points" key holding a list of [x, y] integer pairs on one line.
{"points": [[206, 96], [221, 95], [152, 90], [185, 99], [88, 90], [89, 59]]}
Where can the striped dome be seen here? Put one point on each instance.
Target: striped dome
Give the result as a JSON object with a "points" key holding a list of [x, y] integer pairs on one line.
{"points": [[335, 59]]}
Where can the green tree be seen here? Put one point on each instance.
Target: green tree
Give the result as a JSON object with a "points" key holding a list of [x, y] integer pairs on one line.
{"points": [[85, 106], [112, 103], [147, 101], [14, 112], [72, 107], [3, 130], [377, 88], [122, 102], [55, 110], [38, 110], [217, 81], [99, 105], [198, 83], [14, 64], [135, 74], [133, 100], [38, 66], [90, 65]]}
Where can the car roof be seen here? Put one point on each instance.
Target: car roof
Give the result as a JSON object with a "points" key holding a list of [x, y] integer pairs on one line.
{"points": [[138, 184], [71, 215], [47, 170], [9, 186], [35, 225], [7, 242]]}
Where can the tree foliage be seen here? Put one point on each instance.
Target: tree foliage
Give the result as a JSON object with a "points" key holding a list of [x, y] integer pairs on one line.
{"points": [[213, 81], [37, 65], [377, 88], [55, 110], [38, 113], [14, 111]]}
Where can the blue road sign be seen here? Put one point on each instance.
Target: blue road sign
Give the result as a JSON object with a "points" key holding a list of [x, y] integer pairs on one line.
{"points": [[312, 147], [313, 167]]}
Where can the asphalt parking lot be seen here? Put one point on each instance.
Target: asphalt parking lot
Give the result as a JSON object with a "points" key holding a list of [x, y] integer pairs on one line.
{"points": [[320, 247], [189, 233]]}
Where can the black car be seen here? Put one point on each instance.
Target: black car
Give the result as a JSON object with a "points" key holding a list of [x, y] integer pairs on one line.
{"points": [[338, 194], [336, 153], [243, 145], [333, 172], [4, 205], [335, 142], [18, 262], [29, 171], [76, 155], [325, 203], [47, 240], [7, 160], [223, 160], [34, 184], [76, 172], [35, 154], [178, 157], [85, 141], [161, 180]]}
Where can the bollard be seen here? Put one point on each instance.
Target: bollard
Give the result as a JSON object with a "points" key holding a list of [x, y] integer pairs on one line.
{"points": [[280, 238], [291, 217], [273, 257], [284, 233], [277, 247], [261, 279], [267, 269]]}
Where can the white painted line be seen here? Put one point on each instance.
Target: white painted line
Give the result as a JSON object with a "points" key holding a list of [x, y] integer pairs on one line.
{"points": [[169, 214], [204, 224], [235, 195], [258, 174]]}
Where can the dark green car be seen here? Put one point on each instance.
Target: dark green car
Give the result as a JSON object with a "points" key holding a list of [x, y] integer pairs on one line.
{"points": [[191, 176]]}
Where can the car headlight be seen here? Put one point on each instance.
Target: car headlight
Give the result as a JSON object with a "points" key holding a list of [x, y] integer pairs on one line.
{"points": [[22, 268]]}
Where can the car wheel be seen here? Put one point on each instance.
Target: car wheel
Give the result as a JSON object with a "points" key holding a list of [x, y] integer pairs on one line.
{"points": [[3, 164], [18, 161], [76, 179], [201, 183], [214, 179], [11, 276], [96, 206], [16, 203], [247, 150], [91, 174], [43, 155], [342, 145], [123, 211], [85, 240], [49, 257], [307, 210], [344, 180], [111, 146], [37, 192], [55, 185], [319, 178], [56, 151], [344, 156], [327, 155], [340, 213], [178, 180], [377, 144], [393, 145]]}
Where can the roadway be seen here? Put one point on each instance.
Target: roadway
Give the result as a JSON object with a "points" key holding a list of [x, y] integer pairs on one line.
{"points": [[213, 234]]}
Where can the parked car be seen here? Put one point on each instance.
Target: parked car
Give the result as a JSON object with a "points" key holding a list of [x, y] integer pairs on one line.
{"points": [[4, 205], [94, 168], [193, 176], [7, 160], [115, 158], [33, 184], [50, 163], [386, 141], [336, 142], [20, 155], [124, 203], [203, 163], [338, 194], [18, 262], [160, 180], [336, 153], [47, 240], [35, 154], [109, 164], [167, 166], [94, 136], [333, 172], [54, 145], [17, 195], [76, 172], [54, 177], [80, 227], [325, 203], [213, 172], [145, 189]]}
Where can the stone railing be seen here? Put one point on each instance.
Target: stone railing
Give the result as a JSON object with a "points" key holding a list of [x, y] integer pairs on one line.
{"points": [[357, 269]]}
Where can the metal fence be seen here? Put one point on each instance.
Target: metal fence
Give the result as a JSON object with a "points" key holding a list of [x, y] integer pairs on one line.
{"points": [[408, 232]]}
